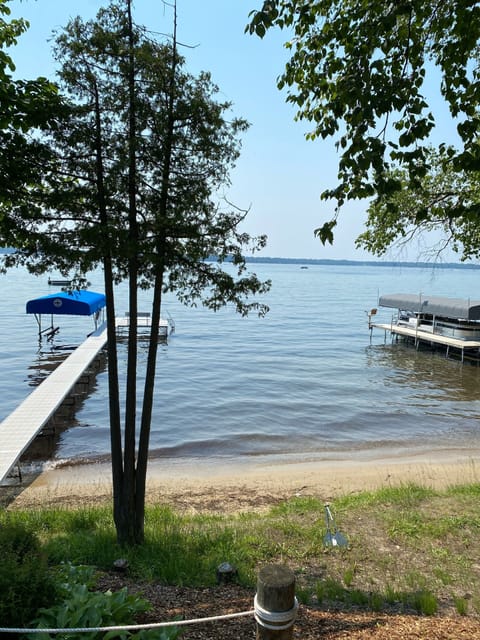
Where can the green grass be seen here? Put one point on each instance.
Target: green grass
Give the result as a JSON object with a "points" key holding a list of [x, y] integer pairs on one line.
{"points": [[409, 547]]}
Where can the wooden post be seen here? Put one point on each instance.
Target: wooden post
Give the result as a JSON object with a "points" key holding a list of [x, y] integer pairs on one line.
{"points": [[275, 603]]}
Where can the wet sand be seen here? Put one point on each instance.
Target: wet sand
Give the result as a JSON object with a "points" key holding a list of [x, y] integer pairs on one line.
{"points": [[230, 485]]}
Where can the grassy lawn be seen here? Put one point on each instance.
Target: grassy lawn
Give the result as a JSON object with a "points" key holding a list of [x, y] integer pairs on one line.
{"points": [[409, 548]]}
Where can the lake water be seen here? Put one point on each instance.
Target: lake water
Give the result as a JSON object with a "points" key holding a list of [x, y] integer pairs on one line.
{"points": [[305, 382]]}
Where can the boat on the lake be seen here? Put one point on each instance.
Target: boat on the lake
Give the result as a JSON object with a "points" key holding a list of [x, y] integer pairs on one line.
{"points": [[59, 282], [449, 322]]}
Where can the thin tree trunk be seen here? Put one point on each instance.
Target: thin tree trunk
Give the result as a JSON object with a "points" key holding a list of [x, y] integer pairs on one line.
{"points": [[113, 385], [144, 441]]}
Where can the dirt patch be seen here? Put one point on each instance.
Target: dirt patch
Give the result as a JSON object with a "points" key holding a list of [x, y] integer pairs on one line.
{"points": [[311, 624]]}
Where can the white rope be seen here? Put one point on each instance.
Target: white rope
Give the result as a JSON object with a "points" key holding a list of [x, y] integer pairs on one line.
{"points": [[273, 619], [134, 627]]}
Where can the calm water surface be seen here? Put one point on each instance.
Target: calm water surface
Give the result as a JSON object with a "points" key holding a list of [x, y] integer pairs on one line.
{"points": [[304, 382]]}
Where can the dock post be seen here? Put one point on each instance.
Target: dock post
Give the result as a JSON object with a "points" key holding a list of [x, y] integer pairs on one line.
{"points": [[275, 603]]}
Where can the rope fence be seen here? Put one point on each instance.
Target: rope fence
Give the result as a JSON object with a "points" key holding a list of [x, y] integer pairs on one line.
{"points": [[133, 627], [275, 610]]}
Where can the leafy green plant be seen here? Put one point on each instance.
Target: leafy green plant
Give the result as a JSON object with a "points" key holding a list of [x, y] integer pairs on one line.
{"points": [[357, 597], [391, 596], [376, 602], [349, 574], [329, 589], [444, 576], [416, 580], [476, 604], [424, 602], [25, 581], [304, 595], [82, 608], [461, 605]]}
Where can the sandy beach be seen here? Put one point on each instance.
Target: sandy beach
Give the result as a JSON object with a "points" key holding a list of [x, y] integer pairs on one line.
{"points": [[230, 485]]}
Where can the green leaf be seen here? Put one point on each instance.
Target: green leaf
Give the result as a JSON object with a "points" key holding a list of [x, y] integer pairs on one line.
{"points": [[325, 233]]}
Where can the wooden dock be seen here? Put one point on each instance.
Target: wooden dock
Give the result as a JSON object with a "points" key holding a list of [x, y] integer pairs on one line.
{"points": [[19, 429], [419, 336]]}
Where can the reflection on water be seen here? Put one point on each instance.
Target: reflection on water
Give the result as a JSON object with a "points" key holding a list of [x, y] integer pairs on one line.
{"points": [[45, 362], [46, 443], [425, 373]]}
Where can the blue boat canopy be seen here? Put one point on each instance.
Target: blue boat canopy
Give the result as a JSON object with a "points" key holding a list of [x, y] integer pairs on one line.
{"points": [[75, 303]]}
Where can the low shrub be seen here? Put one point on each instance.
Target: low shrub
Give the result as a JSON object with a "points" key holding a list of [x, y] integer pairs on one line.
{"points": [[79, 607], [26, 583]]}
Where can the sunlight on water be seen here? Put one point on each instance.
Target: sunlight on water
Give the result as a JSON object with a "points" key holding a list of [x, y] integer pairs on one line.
{"points": [[304, 380]]}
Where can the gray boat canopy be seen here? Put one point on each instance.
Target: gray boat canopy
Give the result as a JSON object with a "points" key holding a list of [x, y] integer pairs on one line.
{"points": [[433, 305]]}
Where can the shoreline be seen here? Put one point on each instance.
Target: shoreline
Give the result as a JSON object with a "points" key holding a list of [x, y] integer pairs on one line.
{"points": [[232, 485]]}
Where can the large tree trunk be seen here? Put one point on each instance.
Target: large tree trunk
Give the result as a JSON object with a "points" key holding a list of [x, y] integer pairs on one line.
{"points": [[149, 388], [130, 530]]}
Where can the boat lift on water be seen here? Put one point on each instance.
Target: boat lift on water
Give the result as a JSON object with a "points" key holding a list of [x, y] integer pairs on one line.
{"points": [[87, 303], [449, 322], [76, 303], [18, 430]]}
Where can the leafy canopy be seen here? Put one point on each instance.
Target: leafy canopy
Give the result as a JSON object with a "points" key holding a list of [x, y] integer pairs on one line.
{"points": [[359, 71], [56, 222], [27, 107], [414, 213]]}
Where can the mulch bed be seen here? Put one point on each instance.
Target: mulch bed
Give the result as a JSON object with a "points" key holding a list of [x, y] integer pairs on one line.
{"points": [[312, 623]]}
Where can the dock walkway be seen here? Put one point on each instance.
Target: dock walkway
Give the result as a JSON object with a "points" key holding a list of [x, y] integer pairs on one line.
{"points": [[429, 337], [19, 428]]}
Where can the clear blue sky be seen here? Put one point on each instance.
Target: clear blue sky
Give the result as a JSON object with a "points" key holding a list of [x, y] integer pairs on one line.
{"points": [[279, 175]]}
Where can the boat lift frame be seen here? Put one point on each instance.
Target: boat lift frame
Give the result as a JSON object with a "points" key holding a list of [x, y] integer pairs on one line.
{"points": [[77, 303]]}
